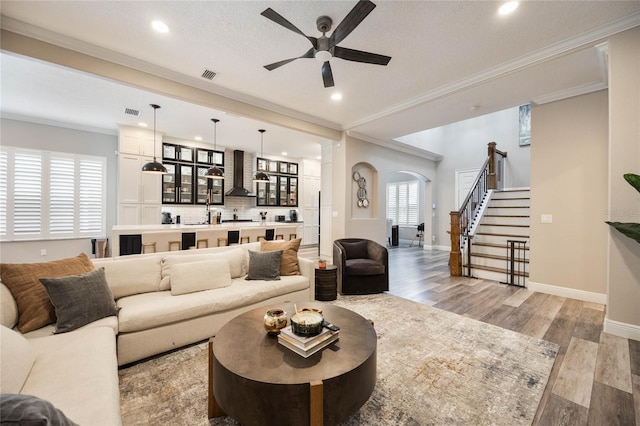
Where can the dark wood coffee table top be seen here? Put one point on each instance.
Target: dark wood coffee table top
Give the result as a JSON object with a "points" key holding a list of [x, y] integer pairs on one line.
{"points": [[254, 376]]}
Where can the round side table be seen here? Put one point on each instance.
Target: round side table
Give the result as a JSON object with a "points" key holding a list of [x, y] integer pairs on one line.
{"points": [[327, 283]]}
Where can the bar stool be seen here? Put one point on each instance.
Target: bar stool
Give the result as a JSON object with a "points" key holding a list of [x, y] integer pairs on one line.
{"points": [[148, 245], [211, 237], [291, 231], [269, 235], [162, 241], [251, 234]]}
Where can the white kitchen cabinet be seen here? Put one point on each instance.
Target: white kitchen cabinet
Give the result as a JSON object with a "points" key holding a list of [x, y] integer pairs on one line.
{"points": [[139, 142]]}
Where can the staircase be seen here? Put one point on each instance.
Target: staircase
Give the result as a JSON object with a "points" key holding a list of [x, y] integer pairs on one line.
{"points": [[506, 218]]}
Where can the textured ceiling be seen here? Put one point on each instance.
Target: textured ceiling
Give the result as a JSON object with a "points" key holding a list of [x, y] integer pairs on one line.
{"points": [[446, 56]]}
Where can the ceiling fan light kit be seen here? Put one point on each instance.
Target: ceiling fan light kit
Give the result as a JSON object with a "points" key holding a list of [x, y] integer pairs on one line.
{"points": [[154, 166], [324, 48]]}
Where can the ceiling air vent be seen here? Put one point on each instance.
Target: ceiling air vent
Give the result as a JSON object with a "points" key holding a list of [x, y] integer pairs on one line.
{"points": [[208, 74], [131, 111]]}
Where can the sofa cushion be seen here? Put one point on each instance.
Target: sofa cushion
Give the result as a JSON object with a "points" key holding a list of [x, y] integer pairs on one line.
{"points": [[34, 308], [264, 265], [80, 299], [78, 373], [16, 360], [153, 310], [127, 276], [199, 276], [31, 410], [363, 267], [235, 257], [8, 307], [356, 249], [289, 262]]}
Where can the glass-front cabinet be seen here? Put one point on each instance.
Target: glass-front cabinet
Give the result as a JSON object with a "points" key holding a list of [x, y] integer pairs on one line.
{"points": [[177, 184], [267, 194], [282, 188], [209, 190], [173, 152]]}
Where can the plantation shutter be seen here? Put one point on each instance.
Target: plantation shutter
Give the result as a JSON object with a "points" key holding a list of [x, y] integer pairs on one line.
{"points": [[27, 194], [91, 193], [4, 187], [61, 195]]}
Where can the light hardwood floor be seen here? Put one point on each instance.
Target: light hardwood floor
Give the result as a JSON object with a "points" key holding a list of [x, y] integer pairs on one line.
{"points": [[596, 377]]}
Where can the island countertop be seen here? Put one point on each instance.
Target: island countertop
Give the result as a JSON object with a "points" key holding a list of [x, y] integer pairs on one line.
{"points": [[137, 229]]}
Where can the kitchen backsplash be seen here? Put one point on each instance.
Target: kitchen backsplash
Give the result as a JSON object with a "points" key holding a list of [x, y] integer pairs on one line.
{"points": [[198, 214]]}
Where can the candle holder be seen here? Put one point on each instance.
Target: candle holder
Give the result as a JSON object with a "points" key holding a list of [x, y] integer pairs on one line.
{"points": [[322, 264]]}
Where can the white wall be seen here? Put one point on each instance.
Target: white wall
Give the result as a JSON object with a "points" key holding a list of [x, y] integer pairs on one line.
{"points": [[44, 137], [464, 146]]}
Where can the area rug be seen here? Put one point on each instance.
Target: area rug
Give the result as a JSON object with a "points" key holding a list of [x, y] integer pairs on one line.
{"points": [[434, 368]]}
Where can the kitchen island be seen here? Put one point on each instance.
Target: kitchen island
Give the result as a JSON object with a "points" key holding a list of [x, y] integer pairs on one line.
{"points": [[129, 239]]}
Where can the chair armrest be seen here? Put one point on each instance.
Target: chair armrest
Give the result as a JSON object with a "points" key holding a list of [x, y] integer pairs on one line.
{"points": [[308, 270], [378, 252]]}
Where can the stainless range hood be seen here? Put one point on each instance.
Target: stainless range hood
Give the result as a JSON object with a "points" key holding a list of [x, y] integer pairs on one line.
{"points": [[238, 189]]}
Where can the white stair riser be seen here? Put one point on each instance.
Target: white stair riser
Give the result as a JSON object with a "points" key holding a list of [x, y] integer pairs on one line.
{"points": [[509, 230], [501, 195], [505, 220], [496, 240], [495, 251], [517, 211], [510, 203], [498, 263]]}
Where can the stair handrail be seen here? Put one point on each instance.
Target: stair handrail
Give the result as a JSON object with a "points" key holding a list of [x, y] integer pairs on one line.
{"points": [[461, 219]]}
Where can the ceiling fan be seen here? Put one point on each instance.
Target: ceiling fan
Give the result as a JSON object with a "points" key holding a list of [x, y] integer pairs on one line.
{"points": [[324, 48]]}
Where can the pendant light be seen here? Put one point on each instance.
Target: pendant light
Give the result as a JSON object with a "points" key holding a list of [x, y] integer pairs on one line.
{"points": [[214, 172], [154, 166], [261, 176]]}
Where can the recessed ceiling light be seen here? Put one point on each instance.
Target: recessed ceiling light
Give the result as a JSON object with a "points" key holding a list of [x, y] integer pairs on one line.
{"points": [[336, 96], [284, 153], [198, 138], [160, 26], [142, 124], [508, 8]]}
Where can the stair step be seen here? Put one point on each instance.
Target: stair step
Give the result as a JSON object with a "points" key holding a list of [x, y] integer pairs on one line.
{"points": [[507, 215], [493, 234], [496, 257], [502, 246], [504, 225], [507, 207], [498, 270]]}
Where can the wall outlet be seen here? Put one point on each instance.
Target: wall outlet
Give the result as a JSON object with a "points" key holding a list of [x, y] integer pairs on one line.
{"points": [[43, 252], [546, 218], [433, 238]]}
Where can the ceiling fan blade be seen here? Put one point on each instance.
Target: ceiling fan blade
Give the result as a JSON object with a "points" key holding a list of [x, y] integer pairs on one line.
{"points": [[308, 54], [327, 75], [279, 19], [351, 21], [360, 56]]}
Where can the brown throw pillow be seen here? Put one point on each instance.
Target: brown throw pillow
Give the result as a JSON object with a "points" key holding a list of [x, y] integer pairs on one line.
{"points": [[289, 262], [23, 279]]}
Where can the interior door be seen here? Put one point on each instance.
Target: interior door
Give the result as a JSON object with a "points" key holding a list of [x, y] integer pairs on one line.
{"points": [[464, 181]]}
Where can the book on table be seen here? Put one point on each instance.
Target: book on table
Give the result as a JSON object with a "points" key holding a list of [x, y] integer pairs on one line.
{"points": [[305, 342], [309, 350]]}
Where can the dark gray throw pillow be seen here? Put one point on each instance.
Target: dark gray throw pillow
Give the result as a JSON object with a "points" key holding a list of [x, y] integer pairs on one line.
{"points": [[80, 299], [30, 410], [264, 265], [356, 249]]}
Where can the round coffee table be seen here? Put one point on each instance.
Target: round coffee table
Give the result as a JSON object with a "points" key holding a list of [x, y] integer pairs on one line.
{"points": [[256, 380]]}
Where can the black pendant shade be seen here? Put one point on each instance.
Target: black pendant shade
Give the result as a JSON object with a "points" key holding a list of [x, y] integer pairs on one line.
{"points": [[214, 172], [261, 176], [154, 166]]}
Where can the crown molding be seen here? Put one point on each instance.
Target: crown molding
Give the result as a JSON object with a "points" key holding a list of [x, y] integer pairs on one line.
{"points": [[396, 146], [535, 58], [569, 93], [55, 123]]}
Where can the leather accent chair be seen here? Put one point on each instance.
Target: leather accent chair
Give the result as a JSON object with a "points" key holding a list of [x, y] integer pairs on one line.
{"points": [[363, 266]]}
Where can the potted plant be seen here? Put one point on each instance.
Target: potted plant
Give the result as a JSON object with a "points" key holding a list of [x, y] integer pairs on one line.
{"points": [[631, 230]]}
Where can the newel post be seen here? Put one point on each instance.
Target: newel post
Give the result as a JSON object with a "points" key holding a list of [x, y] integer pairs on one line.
{"points": [[455, 257], [493, 183]]}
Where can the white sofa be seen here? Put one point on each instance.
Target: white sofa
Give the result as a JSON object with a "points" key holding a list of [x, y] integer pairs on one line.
{"points": [[77, 371]]}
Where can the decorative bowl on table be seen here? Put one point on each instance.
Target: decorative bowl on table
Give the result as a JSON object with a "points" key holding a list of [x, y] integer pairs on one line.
{"points": [[275, 320]]}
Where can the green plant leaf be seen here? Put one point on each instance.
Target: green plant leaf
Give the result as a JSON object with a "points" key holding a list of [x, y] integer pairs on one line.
{"points": [[633, 179], [631, 230]]}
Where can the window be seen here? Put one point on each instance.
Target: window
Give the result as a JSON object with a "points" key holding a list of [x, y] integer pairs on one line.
{"points": [[402, 203], [50, 195]]}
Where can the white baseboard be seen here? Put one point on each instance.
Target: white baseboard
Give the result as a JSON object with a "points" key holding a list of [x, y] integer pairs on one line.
{"points": [[621, 329], [587, 296]]}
